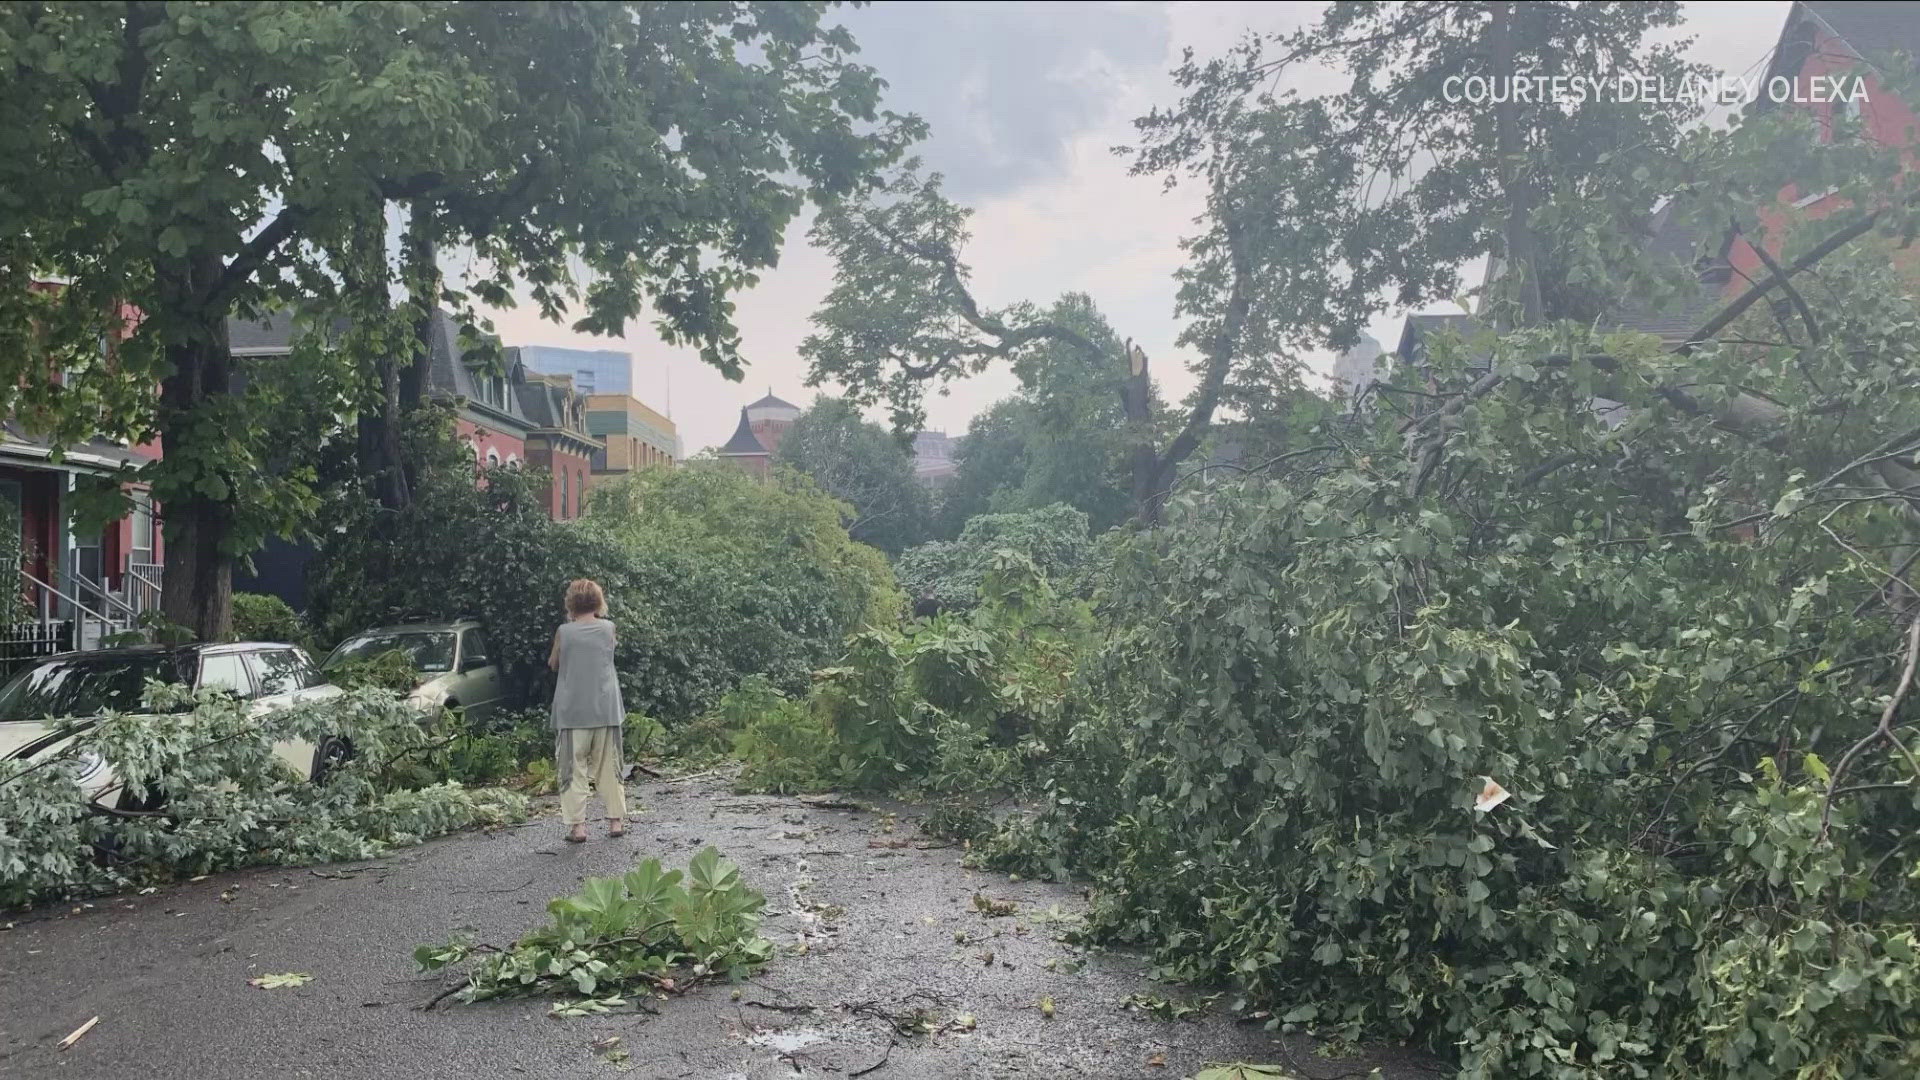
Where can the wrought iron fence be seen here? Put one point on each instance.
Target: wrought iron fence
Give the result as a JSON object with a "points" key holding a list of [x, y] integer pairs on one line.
{"points": [[24, 642]]}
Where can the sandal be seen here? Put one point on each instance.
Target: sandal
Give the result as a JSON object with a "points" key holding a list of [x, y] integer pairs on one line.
{"points": [[616, 833], [577, 837]]}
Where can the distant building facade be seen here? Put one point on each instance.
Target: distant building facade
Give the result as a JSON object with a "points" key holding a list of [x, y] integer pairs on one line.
{"points": [[763, 425], [632, 435], [592, 371], [1357, 369], [933, 458], [559, 442]]}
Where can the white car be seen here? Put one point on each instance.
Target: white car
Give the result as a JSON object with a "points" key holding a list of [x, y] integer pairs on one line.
{"points": [[267, 675], [457, 670]]}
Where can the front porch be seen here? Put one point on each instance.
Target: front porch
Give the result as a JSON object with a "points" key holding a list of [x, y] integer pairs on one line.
{"points": [[76, 590]]}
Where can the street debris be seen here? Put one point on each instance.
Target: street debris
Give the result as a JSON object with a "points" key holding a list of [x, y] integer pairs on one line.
{"points": [[993, 909], [68, 1042], [282, 981]]}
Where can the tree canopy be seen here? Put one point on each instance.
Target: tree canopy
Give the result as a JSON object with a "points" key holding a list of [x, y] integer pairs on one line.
{"points": [[175, 165], [861, 464]]}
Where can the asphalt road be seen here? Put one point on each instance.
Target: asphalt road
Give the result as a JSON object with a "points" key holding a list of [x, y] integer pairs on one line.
{"points": [[167, 973]]}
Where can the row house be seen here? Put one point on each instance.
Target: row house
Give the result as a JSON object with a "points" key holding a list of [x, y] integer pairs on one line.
{"points": [[506, 417], [75, 586]]}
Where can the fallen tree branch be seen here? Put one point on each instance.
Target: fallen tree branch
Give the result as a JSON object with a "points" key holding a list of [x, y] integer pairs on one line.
{"points": [[1882, 730]]}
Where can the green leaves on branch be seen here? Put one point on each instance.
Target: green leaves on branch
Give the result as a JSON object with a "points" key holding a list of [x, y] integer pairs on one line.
{"points": [[223, 798], [648, 931]]}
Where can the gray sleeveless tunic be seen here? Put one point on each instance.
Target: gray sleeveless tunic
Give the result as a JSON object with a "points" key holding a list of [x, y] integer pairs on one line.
{"points": [[586, 693]]}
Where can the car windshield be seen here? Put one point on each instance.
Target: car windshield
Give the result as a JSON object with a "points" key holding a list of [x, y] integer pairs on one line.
{"points": [[428, 650], [88, 686]]}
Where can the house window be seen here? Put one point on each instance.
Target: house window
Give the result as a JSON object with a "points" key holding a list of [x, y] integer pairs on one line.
{"points": [[563, 494], [142, 527], [579, 489], [493, 459]]}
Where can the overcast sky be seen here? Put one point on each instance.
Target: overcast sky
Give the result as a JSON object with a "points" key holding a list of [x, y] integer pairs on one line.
{"points": [[1025, 102]]}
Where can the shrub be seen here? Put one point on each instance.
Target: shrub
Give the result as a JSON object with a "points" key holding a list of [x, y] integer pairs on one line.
{"points": [[259, 617], [963, 704], [786, 748], [727, 576], [226, 799], [1054, 538]]}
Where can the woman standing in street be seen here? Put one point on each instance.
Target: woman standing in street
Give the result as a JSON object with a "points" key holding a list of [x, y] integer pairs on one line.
{"points": [[587, 713]]}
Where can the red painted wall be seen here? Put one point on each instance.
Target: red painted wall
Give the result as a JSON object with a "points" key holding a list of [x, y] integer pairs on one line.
{"points": [[483, 440], [1884, 119]]}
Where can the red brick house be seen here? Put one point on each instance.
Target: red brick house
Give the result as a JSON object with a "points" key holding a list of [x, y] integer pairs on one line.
{"points": [[558, 442], [77, 586], [1827, 54]]}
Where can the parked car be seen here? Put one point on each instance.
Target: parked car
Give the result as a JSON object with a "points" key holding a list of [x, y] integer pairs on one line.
{"points": [[267, 675], [456, 667]]}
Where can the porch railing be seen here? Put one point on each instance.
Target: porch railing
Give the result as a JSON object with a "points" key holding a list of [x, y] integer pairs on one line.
{"points": [[89, 626], [24, 642], [141, 583]]}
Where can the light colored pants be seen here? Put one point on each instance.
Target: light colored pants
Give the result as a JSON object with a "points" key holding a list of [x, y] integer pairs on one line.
{"points": [[590, 758]]}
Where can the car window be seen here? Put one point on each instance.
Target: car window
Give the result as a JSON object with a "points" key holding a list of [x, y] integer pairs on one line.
{"points": [[86, 686], [473, 648], [430, 651], [281, 671], [225, 671], [312, 674]]}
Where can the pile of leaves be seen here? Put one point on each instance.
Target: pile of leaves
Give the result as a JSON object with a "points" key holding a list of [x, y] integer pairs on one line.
{"points": [[198, 788], [646, 932]]}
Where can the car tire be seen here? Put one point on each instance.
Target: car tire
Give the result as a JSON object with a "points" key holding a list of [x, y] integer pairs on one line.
{"points": [[332, 753]]}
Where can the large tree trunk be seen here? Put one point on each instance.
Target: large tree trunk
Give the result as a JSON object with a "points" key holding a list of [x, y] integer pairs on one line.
{"points": [[1523, 257], [197, 568], [378, 444], [420, 262], [379, 438]]}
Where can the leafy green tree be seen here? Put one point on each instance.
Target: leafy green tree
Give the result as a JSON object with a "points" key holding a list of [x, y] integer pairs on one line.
{"points": [[661, 149], [992, 458], [862, 465], [1574, 748], [1444, 179], [1054, 539], [721, 576]]}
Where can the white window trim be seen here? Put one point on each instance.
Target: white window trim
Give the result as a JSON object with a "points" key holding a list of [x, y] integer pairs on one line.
{"points": [[1808, 200]]}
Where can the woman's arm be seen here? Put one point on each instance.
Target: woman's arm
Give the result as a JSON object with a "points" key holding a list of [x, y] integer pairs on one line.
{"points": [[553, 654]]}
